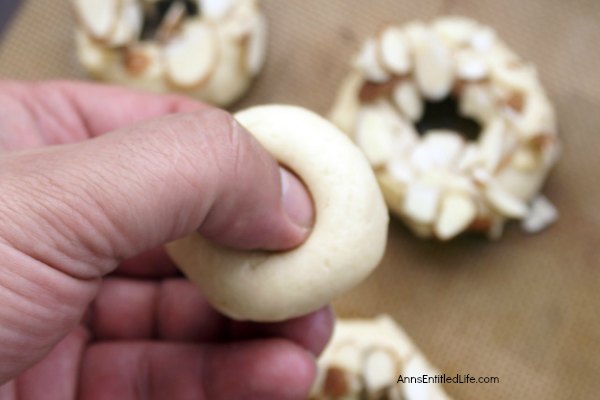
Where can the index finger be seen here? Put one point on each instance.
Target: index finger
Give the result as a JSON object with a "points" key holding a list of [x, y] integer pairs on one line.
{"points": [[69, 111]]}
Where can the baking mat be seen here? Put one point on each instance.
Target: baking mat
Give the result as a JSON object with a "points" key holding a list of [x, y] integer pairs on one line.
{"points": [[526, 308]]}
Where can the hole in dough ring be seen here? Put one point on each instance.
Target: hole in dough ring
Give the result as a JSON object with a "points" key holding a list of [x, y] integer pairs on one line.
{"points": [[346, 243]]}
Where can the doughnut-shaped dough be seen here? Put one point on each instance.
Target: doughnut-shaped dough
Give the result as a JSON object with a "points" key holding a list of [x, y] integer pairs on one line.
{"points": [[365, 358], [346, 243], [211, 54], [439, 183]]}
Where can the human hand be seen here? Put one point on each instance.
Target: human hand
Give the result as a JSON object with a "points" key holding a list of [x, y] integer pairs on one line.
{"points": [[78, 204]]}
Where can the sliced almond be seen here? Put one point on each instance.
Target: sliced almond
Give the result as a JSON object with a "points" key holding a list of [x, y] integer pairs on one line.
{"points": [[438, 149], [434, 71], [478, 102], [171, 21], [406, 137], [481, 176], [368, 63], [374, 135], [470, 65], [421, 158], [470, 158], [510, 144], [492, 144], [512, 79], [408, 100], [256, 47], [349, 355], [541, 214], [464, 184], [380, 369], [215, 9], [504, 202], [435, 177], [128, 25], [446, 145], [537, 115], [523, 185], [398, 167], [93, 56], [401, 171], [456, 31], [393, 191], [458, 211], [394, 51], [98, 17], [239, 23], [421, 202], [483, 39], [192, 56], [347, 104]]}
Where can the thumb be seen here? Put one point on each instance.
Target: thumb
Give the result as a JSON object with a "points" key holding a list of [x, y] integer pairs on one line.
{"points": [[81, 208], [94, 203]]}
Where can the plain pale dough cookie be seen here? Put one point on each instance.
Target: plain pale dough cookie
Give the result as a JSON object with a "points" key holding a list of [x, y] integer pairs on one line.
{"points": [[209, 49], [439, 183], [365, 358], [347, 241]]}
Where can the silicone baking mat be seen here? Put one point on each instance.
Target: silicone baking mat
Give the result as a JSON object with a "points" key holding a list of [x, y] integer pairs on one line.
{"points": [[525, 309]]}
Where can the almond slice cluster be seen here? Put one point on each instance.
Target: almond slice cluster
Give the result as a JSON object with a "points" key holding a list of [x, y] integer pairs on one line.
{"points": [[364, 360], [440, 183], [210, 49]]}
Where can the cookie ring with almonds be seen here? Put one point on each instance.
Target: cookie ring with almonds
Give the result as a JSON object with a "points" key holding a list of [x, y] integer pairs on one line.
{"points": [[209, 49], [346, 243], [442, 184], [365, 358]]}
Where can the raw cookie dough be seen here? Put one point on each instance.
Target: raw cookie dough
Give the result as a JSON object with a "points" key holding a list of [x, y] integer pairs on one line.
{"points": [[439, 183], [364, 360], [347, 240], [210, 49]]}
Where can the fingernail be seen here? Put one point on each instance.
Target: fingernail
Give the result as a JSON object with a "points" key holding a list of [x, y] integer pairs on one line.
{"points": [[297, 202]]}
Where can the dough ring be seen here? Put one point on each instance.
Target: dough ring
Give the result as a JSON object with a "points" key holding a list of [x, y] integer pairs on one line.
{"points": [[210, 49], [346, 243], [365, 358], [439, 183]]}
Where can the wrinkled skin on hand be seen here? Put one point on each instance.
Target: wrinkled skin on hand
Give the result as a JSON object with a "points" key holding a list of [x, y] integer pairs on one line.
{"points": [[90, 305]]}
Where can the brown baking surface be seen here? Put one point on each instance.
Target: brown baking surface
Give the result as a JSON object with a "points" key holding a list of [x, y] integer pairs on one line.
{"points": [[525, 309]]}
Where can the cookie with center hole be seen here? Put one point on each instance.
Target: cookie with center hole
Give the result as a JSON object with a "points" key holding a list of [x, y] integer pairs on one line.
{"points": [[208, 49], [441, 182]]}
